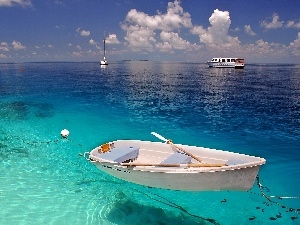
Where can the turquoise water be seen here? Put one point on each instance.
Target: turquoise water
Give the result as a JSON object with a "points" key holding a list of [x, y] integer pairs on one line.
{"points": [[44, 180]]}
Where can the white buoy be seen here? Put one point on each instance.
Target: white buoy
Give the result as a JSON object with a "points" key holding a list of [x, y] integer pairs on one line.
{"points": [[64, 133]]}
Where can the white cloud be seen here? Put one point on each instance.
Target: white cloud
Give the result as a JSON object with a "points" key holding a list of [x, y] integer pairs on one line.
{"points": [[295, 46], [140, 38], [174, 40], [76, 54], [59, 26], [216, 36], [17, 45], [173, 19], [263, 48], [249, 30], [274, 24], [85, 33], [142, 29], [268, 50], [112, 39], [293, 24], [50, 46], [92, 42], [4, 46], [2, 56], [165, 47], [198, 30], [15, 2]]}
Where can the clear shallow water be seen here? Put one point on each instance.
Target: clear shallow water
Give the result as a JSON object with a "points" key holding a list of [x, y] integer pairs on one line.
{"points": [[255, 111]]}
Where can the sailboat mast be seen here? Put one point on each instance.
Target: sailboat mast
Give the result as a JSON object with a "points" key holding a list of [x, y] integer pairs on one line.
{"points": [[104, 62], [104, 46]]}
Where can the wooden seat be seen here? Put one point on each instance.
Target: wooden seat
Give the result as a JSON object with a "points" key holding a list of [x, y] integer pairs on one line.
{"points": [[177, 158], [121, 154]]}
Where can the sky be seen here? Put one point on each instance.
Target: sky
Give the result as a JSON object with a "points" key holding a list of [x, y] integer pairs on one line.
{"points": [[261, 31]]}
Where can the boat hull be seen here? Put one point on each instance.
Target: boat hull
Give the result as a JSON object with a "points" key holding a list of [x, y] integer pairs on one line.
{"points": [[238, 180], [237, 171], [103, 63], [236, 63], [221, 65]]}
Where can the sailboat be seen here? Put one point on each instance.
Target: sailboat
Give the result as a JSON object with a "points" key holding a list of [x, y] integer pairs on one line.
{"points": [[104, 61]]}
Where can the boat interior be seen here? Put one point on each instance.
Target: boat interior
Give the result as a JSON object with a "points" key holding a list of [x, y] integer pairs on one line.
{"points": [[159, 153]]}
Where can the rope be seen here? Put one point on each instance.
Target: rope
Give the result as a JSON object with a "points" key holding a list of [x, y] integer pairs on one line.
{"points": [[147, 194], [174, 205], [282, 197], [269, 198], [168, 203]]}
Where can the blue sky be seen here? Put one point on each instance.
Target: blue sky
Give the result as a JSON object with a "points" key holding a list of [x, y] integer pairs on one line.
{"points": [[261, 31]]}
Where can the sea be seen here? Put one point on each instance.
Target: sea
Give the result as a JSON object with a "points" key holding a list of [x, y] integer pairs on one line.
{"points": [[44, 178]]}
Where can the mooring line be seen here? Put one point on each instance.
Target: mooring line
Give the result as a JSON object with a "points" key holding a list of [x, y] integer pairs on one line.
{"points": [[174, 205], [261, 187], [148, 194], [282, 197]]}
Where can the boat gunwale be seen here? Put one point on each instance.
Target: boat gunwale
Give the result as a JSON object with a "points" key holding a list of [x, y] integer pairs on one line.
{"points": [[183, 167]]}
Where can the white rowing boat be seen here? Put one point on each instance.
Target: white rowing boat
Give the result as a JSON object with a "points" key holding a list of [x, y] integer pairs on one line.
{"points": [[176, 167]]}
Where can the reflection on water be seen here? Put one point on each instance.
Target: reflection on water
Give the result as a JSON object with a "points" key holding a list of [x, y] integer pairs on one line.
{"points": [[254, 111]]}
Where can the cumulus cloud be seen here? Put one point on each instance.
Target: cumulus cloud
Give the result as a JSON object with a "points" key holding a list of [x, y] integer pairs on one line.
{"points": [[174, 40], [15, 2], [295, 46], [274, 24], [4, 46], [140, 38], [264, 48], [198, 30], [76, 54], [216, 36], [85, 33], [174, 18], [17, 45], [112, 39], [2, 56], [293, 24], [249, 30], [145, 32], [92, 42]]}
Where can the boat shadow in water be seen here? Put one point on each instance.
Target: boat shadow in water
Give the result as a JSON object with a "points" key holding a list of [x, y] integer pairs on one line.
{"points": [[126, 211]]}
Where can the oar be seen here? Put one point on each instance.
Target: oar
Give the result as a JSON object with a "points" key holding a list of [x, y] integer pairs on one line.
{"points": [[170, 142], [174, 165]]}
